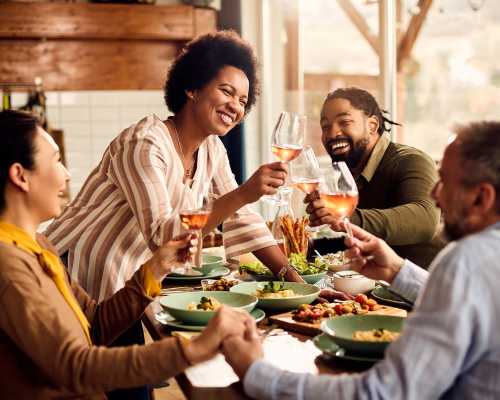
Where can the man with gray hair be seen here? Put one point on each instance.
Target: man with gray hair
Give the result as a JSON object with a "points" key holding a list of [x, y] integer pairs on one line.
{"points": [[450, 347]]}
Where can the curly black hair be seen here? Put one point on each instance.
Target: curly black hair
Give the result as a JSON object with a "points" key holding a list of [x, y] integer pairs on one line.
{"points": [[364, 101], [201, 60]]}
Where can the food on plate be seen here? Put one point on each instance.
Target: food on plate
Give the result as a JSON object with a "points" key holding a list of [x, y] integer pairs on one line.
{"points": [[360, 305], [205, 304], [337, 258], [274, 290], [297, 261], [376, 335], [295, 234], [310, 313], [222, 284]]}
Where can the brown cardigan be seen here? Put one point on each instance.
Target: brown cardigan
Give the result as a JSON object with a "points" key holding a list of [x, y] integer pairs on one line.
{"points": [[44, 353]]}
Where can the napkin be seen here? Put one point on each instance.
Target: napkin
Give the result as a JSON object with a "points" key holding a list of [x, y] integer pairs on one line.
{"points": [[284, 351]]}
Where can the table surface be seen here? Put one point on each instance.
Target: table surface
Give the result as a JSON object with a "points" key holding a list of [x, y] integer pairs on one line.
{"points": [[325, 364]]}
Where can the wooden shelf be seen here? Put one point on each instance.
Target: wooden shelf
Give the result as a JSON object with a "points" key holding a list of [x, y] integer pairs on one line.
{"points": [[83, 46]]}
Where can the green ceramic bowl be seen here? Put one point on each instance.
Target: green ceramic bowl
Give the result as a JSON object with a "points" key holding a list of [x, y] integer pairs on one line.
{"points": [[313, 278], [305, 294], [176, 305], [210, 262], [340, 329]]}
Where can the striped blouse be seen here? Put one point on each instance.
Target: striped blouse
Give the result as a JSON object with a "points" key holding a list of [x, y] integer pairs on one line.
{"points": [[129, 206]]}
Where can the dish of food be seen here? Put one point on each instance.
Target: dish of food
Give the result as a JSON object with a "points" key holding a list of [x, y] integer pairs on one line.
{"points": [[303, 294], [376, 335], [222, 284], [180, 305], [341, 332], [165, 318], [331, 349], [205, 304], [360, 305], [297, 261], [274, 290]]}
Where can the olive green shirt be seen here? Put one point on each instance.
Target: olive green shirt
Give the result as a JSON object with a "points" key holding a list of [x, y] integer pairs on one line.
{"points": [[395, 201]]}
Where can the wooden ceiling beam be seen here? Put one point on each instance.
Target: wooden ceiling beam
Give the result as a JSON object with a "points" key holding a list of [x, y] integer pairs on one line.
{"points": [[408, 41], [359, 22]]}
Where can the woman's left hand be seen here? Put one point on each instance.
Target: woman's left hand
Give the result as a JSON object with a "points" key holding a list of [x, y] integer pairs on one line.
{"points": [[176, 251]]}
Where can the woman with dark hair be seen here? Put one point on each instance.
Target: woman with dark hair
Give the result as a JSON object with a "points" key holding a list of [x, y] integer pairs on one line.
{"points": [[51, 332]]}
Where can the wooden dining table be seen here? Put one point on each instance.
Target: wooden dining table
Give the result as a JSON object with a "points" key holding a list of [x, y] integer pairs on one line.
{"points": [[325, 364]]}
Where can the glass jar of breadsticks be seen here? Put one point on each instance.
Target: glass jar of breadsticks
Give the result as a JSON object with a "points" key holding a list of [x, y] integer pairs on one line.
{"points": [[295, 234]]}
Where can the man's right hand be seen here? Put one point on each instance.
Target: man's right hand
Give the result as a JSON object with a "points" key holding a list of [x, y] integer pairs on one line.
{"points": [[371, 256], [319, 214]]}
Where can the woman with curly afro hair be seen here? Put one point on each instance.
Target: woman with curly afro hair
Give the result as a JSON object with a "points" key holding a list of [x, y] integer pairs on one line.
{"points": [[129, 205]]}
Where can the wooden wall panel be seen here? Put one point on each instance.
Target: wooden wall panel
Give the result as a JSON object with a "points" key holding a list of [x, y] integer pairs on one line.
{"points": [[96, 21], [88, 65], [83, 46]]}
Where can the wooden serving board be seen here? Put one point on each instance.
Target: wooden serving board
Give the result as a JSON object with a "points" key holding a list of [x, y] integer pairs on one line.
{"points": [[286, 321]]}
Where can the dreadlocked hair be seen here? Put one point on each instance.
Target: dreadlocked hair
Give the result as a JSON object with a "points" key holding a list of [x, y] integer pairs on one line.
{"points": [[362, 100]]}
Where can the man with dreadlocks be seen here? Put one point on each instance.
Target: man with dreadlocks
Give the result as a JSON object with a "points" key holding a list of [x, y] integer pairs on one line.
{"points": [[394, 180]]}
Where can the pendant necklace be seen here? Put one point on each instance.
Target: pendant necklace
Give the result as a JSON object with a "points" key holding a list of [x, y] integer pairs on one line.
{"points": [[187, 170]]}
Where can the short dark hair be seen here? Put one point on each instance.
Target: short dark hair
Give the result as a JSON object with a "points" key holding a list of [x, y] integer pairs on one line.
{"points": [[17, 130], [364, 101], [480, 153], [201, 60]]}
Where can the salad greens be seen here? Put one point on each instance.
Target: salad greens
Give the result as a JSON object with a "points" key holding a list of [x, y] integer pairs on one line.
{"points": [[297, 261], [273, 287]]}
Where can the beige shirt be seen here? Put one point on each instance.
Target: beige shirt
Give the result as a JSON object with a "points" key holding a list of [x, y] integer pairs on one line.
{"points": [[44, 353], [130, 203]]}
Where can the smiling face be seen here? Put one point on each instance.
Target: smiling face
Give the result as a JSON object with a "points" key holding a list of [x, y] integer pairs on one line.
{"points": [[347, 133], [47, 181], [220, 105]]}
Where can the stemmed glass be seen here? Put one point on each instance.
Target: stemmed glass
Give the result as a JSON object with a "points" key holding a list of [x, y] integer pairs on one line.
{"points": [[194, 214], [307, 175], [339, 192], [286, 143]]}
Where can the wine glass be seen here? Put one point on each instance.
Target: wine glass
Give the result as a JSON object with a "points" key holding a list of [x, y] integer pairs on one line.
{"points": [[194, 214], [307, 175], [339, 192], [286, 144]]}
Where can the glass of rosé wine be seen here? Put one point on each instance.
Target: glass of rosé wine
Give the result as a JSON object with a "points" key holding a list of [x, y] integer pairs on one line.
{"points": [[194, 214], [307, 175], [339, 192], [286, 144]]}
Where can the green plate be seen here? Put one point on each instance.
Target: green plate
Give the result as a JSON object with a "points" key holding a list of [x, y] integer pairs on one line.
{"points": [[340, 330], [165, 318], [214, 274], [329, 347], [384, 296], [209, 263], [176, 305], [305, 292]]}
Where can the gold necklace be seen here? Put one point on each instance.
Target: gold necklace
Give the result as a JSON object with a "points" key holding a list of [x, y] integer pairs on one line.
{"points": [[187, 170]]}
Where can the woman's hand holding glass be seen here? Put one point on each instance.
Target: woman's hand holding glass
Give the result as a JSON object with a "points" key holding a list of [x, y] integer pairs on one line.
{"points": [[194, 213], [287, 142], [178, 250], [265, 181]]}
